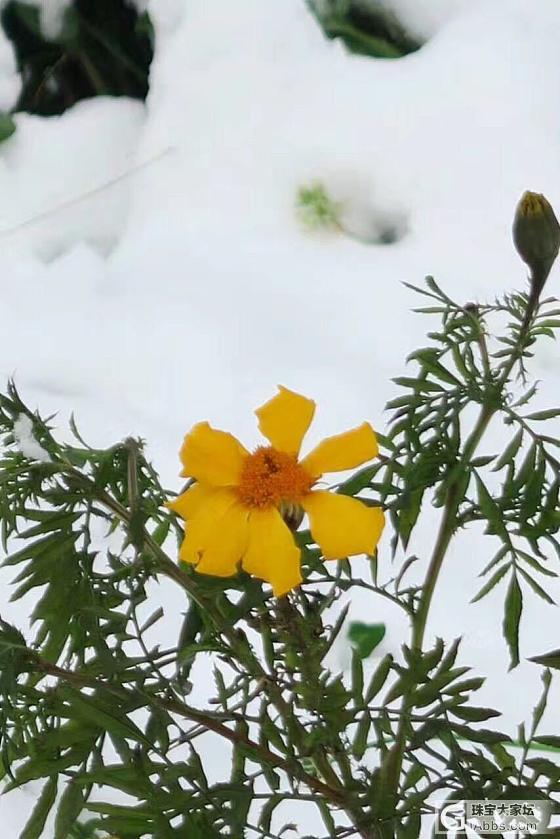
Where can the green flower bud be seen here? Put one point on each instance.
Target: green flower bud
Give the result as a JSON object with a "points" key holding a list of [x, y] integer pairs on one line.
{"points": [[536, 235]]}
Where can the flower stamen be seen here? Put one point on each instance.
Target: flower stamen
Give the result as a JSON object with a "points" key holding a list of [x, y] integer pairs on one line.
{"points": [[270, 477]]}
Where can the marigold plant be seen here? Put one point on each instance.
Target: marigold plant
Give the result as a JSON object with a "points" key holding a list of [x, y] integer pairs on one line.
{"points": [[176, 678]]}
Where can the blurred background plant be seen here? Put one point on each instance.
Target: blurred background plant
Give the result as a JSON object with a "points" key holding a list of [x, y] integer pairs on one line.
{"points": [[366, 27], [82, 49], [318, 211], [105, 48], [315, 209], [92, 49]]}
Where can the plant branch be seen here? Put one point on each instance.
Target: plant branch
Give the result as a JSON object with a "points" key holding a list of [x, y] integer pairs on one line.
{"points": [[446, 531], [212, 723]]}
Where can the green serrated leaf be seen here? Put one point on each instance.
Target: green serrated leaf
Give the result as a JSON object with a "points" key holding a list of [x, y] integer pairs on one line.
{"points": [[510, 451], [492, 582], [70, 806], [551, 659], [38, 818], [540, 707], [542, 766], [154, 618], [94, 711], [551, 413], [490, 509], [538, 589], [267, 811], [466, 686], [327, 817], [421, 384], [357, 678], [469, 714], [483, 460], [551, 740], [502, 756], [359, 743], [358, 481], [429, 692], [379, 678], [512, 617], [480, 735]]}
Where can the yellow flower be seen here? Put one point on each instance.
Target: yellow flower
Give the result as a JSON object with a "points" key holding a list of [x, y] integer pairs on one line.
{"points": [[234, 510]]}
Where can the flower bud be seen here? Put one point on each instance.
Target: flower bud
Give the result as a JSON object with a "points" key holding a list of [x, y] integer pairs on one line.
{"points": [[536, 236]]}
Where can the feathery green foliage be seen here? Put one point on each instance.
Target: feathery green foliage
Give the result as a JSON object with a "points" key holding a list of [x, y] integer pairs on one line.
{"points": [[93, 705]]}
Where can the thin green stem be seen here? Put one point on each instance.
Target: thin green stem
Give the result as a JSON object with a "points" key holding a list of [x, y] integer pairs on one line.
{"points": [[447, 528], [445, 533]]}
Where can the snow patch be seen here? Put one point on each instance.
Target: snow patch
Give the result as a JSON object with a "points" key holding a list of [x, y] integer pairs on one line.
{"points": [[25, 439], [61, 178], [423, 19]]}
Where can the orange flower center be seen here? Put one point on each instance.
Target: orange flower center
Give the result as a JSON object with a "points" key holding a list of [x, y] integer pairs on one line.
{"points": [[270, 477]]}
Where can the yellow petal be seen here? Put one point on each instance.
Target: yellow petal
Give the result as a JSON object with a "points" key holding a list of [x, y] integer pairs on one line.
{"points": [[216, 539], [212, 457], [285, 418], [343, 451], [223, 553], [202, 528], [189, 503], [343, 526], [272, 554]]}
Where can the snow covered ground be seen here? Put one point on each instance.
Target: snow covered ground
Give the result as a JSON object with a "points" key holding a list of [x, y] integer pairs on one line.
{"points": [[155, 272]]}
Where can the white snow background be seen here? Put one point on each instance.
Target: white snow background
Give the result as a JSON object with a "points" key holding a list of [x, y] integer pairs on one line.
{"points": [[155, 273]]}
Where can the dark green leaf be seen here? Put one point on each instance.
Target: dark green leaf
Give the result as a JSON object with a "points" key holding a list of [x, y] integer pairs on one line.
{"points": [[480, 735], [154, 618], [466, 686], [484, 460], [365, 637], [359, 743], [538, 589], [512, 617], [7, 126], [469, 714], [544, 767], [36, 822], [543, 415], [379, 678], [357, 678], [509, 453], [358, 481], [493, 581], [548, 740], [551, 659], [114, 722], [268, 810], [327, 817], [70, 806]]}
